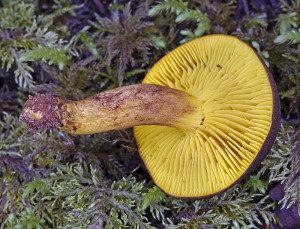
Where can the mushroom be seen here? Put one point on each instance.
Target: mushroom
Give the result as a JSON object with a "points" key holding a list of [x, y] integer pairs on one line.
{"points": [[204, 117]]}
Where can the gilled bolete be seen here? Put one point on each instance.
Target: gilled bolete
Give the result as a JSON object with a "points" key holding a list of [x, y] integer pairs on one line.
{"points": [[206, 114]]}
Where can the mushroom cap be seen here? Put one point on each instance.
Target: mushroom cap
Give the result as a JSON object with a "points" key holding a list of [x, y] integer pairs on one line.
{"points": [[241, 111]]}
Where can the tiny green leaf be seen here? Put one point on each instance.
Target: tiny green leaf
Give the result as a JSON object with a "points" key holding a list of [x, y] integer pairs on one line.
{"points": [[35, 185], [51, 55], [154, 195]]}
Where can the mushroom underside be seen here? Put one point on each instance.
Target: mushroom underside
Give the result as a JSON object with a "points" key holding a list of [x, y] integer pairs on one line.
{"points": [[240, 114]]}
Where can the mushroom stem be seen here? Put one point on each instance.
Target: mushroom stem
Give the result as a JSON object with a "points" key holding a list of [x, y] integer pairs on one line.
{"points": [[123, 107]]}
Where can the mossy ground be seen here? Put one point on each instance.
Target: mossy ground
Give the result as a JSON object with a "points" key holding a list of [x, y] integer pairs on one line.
{"points": [[74, 49]]}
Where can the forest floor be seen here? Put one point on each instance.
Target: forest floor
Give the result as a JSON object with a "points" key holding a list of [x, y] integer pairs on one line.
{"points": [[74, 49]]}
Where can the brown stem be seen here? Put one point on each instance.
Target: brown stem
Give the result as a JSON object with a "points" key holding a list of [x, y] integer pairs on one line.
{"points": [[124, 107]]}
